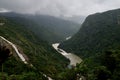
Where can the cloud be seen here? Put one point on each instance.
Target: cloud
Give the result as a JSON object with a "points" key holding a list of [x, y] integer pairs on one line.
{"points": [[59, 7]]}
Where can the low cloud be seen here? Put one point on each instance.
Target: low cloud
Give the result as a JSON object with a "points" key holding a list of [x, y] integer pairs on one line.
{"points": [[59, 7]]}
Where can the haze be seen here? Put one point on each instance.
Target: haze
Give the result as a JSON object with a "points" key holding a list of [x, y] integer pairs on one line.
{"points": [[63, 8]]}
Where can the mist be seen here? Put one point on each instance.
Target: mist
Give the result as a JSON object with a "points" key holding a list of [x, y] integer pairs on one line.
{"points": [[60, 8]]}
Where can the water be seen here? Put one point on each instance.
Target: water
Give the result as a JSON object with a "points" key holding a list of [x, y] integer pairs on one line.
{"points": [[74, 59], [68, 38]]}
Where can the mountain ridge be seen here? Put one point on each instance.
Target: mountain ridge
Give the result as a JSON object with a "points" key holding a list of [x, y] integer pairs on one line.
{"points": [[99, 32], [46, 27], [44, 58], [97, 43]]}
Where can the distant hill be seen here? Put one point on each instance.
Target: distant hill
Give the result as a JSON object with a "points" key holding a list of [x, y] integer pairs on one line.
{"points": [[40, 54], [99, 32], [98, 43], [46, 27]]}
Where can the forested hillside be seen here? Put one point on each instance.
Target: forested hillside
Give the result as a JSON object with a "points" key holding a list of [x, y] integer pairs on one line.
{"points": [[99, 32], [98, 43], [39, 53], [46, 27]]}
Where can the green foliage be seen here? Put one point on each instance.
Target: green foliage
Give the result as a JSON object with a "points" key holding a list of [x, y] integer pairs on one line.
{"points": [[4, 53], [97, 42], [101, 73], [23, 76], [48, 28], [99, 32], [44, 58], [108, 67]]}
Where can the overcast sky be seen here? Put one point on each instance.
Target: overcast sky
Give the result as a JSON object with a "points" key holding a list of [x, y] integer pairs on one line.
{"points": [[59, 7]]}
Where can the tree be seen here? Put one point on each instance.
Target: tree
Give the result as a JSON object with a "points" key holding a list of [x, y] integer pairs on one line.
{"points": [[4, 53], [101, 73]]}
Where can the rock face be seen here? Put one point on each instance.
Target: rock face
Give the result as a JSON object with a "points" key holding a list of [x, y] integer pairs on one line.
{"points": [[99, 32], [4, 53]]}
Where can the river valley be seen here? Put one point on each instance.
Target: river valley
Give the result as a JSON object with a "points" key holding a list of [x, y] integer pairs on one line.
{"points": [[74, 59]]}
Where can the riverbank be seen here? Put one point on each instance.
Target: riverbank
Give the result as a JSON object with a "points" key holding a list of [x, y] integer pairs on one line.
{"points": [[74, 59]]}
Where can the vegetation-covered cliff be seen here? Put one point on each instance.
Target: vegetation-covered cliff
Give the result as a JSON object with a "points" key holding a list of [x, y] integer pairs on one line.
{"points": [[48, 28], [98, 43], [99, 32], [39, 53]]}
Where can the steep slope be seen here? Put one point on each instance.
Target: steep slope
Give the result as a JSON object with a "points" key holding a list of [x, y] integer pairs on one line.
{"points": [[49, 28], [41, 55], [58, 28], [99, 32]]}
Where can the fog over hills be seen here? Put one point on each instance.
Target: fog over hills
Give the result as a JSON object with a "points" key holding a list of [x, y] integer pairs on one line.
{"points": [[59, 39], [97, 42], [99, 31], [49, 28], [76, 19]]}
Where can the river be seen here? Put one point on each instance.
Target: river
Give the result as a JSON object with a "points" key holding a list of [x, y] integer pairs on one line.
{"points": [[74, 59], [20, 55], [16, 50]]}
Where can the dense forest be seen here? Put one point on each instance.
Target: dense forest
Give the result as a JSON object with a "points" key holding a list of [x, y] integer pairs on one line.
{"points": [[40, 54], [97, 43], [47, 28], [105, 66], [99, 32]]}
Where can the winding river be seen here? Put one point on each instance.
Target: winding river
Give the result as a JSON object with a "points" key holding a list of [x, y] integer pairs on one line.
{"points": [[16, 50], [74, 59], [20, 55]]}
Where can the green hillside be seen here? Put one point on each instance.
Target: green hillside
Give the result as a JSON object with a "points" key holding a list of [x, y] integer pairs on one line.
{"points": [[98, 43], [43, 57], [48, 28], [99, 32]]}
